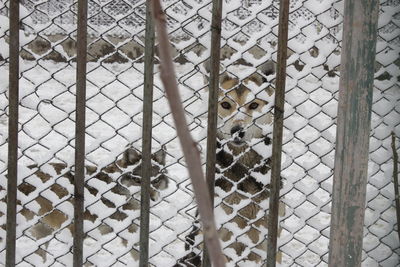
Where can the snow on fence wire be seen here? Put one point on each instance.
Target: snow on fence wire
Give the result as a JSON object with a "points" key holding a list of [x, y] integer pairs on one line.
{"points": [[114, 121]]}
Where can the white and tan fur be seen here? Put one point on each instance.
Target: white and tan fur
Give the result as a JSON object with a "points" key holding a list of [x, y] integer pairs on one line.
{"points": [[241, 196], [121, 176]]}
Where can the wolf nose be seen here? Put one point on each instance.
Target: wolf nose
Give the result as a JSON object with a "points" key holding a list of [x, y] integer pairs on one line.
{"points": [[237, 129]]}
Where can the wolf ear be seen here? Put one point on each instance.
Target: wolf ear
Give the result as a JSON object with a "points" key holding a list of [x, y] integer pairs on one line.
{"points": [[159, 156], [131, 156], [268, 68], [207, 66]]}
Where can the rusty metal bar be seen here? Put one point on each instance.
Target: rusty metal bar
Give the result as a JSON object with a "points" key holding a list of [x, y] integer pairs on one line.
{"points": [[277, 133], [213, 106], [396, 182], [79, 180], [353, 130], [12, 174], [146, 137]]}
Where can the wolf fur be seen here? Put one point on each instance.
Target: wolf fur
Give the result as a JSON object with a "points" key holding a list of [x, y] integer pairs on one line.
{"points": [[124, 173], [242, 178]]}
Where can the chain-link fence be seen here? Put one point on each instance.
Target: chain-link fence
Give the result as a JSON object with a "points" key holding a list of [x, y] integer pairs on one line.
{"points": [[114, 120]]}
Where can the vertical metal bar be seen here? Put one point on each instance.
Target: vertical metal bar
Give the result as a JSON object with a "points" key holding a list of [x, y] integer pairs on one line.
{"points": [[213, 106], [80, 133], [12, 134], [277, 133], [147, 135], [396, 182], [353, 129]]}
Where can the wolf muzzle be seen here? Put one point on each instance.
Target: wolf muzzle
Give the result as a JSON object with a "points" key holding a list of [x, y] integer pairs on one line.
{"points": [[237, 133]]}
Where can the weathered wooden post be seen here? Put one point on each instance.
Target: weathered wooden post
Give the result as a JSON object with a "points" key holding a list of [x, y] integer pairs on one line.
{"points": [[353, 129]]}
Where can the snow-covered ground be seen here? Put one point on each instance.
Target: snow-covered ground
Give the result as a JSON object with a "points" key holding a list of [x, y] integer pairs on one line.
{"points": [[114, 119]]}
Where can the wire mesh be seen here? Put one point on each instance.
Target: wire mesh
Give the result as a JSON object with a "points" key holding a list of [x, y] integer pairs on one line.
{"points": [[114, 119]]}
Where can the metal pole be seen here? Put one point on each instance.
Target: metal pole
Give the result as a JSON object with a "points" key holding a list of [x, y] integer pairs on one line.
{"points": [[353, 129], [79, 179], [12, 174], [147, 135], [213, 106], [277, 134], [396, 182]]}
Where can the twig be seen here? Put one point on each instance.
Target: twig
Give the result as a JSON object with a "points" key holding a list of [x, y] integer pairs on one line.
{"points": [[189, 146], [396, 181]]}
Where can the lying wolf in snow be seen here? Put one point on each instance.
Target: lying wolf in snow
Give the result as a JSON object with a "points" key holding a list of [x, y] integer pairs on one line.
{"points": [[110, 191], [243, 165]]}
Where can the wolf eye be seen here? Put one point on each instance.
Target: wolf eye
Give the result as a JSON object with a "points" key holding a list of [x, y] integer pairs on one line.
{"points": [[225, 105], [253, 105]]}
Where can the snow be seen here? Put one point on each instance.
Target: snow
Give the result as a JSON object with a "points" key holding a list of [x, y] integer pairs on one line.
{"points": [[114, 119]]}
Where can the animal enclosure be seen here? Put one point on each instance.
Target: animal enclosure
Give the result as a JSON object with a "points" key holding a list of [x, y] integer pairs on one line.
{"points": [[114, 109]]}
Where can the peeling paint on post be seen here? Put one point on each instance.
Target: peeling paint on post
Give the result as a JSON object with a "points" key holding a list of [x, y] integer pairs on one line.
{"points": [[353, 129]]}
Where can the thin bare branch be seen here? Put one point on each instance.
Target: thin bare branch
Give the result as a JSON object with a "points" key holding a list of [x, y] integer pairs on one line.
{"points": [[189, 146]]}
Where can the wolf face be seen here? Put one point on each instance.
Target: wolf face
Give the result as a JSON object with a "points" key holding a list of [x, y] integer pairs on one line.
{"points": [[244, 106], [242, 175], [241, 113]]}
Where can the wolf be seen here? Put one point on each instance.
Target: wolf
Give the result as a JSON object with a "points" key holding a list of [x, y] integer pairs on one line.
{"points": [[121, 179], [242, 169]]}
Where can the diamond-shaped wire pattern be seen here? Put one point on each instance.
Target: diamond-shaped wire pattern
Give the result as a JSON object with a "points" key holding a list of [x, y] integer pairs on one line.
{"points": [[114, 120]]}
